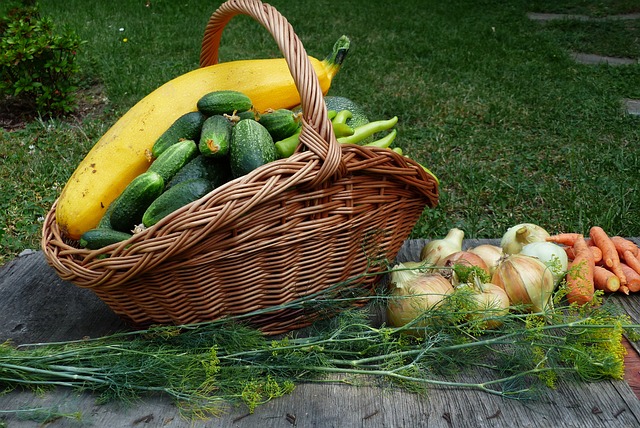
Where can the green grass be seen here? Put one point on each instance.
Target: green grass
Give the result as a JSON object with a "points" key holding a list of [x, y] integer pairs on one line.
{"points": [[585, 7], [487, 99]]}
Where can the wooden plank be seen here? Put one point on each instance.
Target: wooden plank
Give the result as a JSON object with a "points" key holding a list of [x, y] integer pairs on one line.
{"points": [[36, 305]]}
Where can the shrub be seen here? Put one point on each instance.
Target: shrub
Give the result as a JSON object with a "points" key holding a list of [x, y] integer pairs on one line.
{"points": [[36, 63]]}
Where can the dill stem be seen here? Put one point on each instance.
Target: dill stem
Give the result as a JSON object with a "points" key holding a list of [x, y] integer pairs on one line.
{"points": [[393, 374]]}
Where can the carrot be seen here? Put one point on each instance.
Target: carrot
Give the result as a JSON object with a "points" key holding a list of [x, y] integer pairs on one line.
{"points": [[632, 261], [622, 245], [633, 277], [609, 253], [580, 274], [597, 253], [605, 280], [566, 238]]}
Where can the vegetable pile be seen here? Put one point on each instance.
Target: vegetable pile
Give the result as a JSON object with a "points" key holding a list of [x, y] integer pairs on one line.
{"points": [[600, 262], [224, 139], [121, 154], [530, 264]]}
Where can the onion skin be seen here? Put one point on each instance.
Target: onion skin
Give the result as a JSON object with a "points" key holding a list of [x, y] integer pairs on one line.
{"points": [[520, 235], [552, 255], [466, 258], [411, 297], [526, 281], [435, 251], [490, 301], [491, 254]]}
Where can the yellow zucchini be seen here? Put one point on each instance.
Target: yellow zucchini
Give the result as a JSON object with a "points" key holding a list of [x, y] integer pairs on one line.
{"points": [[122, 153]]}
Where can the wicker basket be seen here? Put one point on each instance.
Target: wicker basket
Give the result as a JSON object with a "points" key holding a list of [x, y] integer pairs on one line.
{"points": [[287, 230]]}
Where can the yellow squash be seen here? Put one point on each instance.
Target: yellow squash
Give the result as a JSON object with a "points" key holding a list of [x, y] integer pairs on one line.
{"points": [[121, 153]]}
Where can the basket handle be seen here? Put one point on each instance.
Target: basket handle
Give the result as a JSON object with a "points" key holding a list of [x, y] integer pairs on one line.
{"points": [[317, 133]]}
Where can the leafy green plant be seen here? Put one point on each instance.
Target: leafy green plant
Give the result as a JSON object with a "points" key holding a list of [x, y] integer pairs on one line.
{"points": [[37, 63]]}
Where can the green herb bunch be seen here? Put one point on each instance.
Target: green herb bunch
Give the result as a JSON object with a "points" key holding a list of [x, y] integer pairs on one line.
{"points": [[208, 367]]}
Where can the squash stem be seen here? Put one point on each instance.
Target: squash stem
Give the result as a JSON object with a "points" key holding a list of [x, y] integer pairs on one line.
{"points": [[335, 59]]}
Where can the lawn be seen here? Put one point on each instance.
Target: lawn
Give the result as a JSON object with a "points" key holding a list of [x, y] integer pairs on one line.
{"points": [[489, 100]]}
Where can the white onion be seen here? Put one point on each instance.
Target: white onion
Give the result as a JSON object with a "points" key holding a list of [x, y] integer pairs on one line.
{"points": [[413, 292], [552, 255], [437, 250], [491, 254], [489, 301], [526, 280], [520, 235]]}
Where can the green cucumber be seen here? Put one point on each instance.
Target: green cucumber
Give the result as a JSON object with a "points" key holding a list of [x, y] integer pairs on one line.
{"points": [[134, 201], [97, 238], [249, 114], [223, 102], [176, 197], [215, 136], [173, 159], [105, 221], [281, 123], [217, 171], [251, 147], [186, 127]]}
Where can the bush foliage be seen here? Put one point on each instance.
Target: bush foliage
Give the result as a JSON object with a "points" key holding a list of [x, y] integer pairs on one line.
{"points": [[37, 62]]}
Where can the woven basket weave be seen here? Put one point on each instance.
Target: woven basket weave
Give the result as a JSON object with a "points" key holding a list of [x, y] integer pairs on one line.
{"points": [[287, 230]]}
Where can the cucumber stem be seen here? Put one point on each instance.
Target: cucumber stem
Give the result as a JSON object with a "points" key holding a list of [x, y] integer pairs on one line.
{"points": [[334, 60]]}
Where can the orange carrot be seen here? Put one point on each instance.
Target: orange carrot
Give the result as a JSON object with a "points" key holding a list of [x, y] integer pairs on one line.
{"points": [[566, 238], [609, 253], [631, 260], [633, 277], [605, 280], [623, 244], [580, 274], [597, 253]]}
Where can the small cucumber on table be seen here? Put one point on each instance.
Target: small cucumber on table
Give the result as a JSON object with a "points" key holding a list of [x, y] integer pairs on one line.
{"points": [[251, 147], [134, 201], [176, 197], [223, 102], [186, 127], [215, 136], [173, 159]]}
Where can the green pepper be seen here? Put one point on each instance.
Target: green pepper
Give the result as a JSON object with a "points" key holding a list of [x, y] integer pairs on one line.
{"points": [[366, 130]]}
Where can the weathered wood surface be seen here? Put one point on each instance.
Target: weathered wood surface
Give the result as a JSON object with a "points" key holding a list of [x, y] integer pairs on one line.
{"points": [[35, 306]]}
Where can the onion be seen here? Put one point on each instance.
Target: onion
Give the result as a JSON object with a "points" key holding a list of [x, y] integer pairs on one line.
{"points": [[526, 280], [413, 292], [465, 258], [520, 235], [435, 251], [491, 254], [551, 254], [488, 300]]}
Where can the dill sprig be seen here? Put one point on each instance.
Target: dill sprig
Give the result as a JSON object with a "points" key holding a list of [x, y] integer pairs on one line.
{"points": [[210, 366]]}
